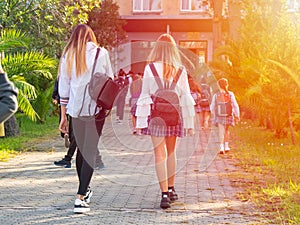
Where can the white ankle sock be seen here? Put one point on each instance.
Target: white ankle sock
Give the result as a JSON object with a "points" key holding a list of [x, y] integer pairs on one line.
{"points": [[227, 146]]}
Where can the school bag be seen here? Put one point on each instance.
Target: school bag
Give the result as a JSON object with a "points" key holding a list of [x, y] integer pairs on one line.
{"points": [[223, 104], [204, 99], [166, 109]]}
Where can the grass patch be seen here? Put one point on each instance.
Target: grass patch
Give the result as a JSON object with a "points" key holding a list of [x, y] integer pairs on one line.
{"points": [[30, 133], [270, 172]]}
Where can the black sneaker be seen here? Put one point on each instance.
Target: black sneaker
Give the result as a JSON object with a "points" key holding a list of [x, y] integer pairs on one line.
{"points": [[81, 206], [65, 163], [165, 202], [173, 195], [88, 195]]}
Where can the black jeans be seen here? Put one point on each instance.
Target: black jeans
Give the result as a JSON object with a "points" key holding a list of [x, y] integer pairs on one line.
{"points": [[87, 133]]}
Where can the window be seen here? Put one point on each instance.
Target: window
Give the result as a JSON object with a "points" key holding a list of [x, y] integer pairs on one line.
{"points": [[198, 47], [292, 5], [146, 5], [204, 6]]}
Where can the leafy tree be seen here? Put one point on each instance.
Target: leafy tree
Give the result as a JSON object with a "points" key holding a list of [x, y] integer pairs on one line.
{"points": [[263, 64], [106, 24], [49, 21]]}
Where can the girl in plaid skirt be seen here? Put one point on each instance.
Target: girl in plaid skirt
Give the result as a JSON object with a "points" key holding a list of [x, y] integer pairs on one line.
{"points": [[226, 119], [166, 60]]}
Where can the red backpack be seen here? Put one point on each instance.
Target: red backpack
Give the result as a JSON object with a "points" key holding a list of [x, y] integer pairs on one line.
{"points": [[223, 104]]}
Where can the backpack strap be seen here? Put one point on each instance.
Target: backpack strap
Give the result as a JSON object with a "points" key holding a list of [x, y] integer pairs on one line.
{"points": [[95, 60], [92, 74], [176, 78], [155, 74], [158, 80]]}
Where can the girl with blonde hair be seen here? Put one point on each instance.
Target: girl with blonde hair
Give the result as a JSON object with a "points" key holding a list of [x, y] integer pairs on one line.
{"points": [[165, 57], [74, 75], [224, 121]]}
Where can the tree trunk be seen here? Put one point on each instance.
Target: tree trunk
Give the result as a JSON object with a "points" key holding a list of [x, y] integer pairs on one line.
{"points": [[11, 127]]}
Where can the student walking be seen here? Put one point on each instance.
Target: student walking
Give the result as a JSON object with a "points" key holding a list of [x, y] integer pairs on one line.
{"points": [[74, 74], [196, 94], [135, 91], [225, 110], [204, 103], [123, 83], [165, 67]]}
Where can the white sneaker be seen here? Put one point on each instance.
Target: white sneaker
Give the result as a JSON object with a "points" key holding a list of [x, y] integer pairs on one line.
{"points": [[227, 147], [81, 206], [88, 195]]}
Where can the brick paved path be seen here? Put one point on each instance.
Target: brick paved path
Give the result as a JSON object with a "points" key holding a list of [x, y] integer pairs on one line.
{"points": [[34, 191]]}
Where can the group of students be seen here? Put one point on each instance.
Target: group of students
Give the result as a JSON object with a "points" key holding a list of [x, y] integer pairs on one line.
{"points": [[207, 106], [74, 74]]}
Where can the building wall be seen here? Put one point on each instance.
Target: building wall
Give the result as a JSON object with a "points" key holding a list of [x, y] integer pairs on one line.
{"points": [[169, 19], [170, 7]]}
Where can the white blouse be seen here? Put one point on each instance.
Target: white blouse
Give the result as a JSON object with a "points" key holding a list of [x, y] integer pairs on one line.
{"points": [[149, 87], [72, 89]]}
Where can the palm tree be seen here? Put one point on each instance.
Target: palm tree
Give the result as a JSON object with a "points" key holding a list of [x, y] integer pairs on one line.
{"points": [[25, 68], [263, 66]]}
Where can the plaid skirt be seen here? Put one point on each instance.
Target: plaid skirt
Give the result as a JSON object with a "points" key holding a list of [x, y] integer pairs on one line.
{"points": [[225, 120], [205, 108], [163, 131], [198, 108]]}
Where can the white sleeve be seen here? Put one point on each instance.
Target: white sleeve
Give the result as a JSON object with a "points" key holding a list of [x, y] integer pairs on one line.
{"points": [[187, 101], [144, 102]]}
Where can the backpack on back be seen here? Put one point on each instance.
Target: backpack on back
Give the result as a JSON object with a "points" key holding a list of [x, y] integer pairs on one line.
{"points": [[166, 109], [223, 104], [204, 100]]}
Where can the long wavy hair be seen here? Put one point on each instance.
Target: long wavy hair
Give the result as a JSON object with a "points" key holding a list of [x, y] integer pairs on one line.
{"points": [[166, 51], [75, 50]]}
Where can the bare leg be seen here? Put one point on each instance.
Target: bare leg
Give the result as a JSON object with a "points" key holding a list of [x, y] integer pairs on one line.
{"points": [[201, 118], [221, 133], [171, 161], [133, 118], [160, 154], [206, 119], [134, 122]]}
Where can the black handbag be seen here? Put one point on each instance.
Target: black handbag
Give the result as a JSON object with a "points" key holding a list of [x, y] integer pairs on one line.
{"points": [[102, 88]]}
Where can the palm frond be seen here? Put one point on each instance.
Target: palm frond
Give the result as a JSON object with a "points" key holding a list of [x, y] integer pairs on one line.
{"points": [[26, 107], [29, 63], [286, 69], [27, 89], [11, 39]]}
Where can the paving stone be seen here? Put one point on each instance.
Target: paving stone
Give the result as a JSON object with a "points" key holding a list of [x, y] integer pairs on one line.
{"points": [[126, 191]]}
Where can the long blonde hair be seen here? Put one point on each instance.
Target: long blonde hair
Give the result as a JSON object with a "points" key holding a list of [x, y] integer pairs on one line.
{"points": [[166, 51], [75, 50]]}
